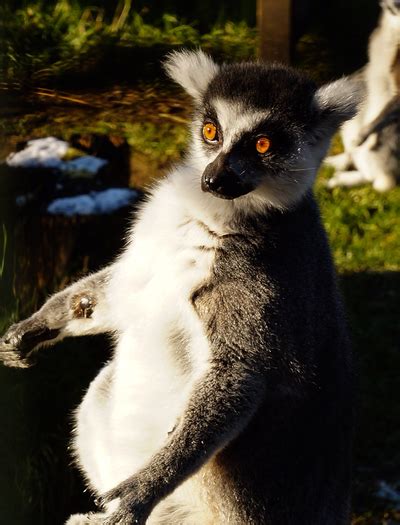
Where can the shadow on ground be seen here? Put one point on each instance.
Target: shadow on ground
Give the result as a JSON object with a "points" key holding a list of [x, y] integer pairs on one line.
{"points": [[372, 301]]}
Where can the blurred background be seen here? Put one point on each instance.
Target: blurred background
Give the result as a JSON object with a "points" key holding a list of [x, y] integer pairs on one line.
{"points": [[88, 74]]}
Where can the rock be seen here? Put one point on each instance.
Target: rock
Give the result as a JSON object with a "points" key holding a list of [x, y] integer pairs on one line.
{"points": [[95, 203], [88, 174]]}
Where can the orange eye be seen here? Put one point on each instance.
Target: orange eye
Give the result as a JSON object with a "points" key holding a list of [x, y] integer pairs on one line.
{"points": [[263, 144], [210, 132]]}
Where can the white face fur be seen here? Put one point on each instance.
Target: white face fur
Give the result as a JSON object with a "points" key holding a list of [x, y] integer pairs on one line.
{"points": [[236, 117]]}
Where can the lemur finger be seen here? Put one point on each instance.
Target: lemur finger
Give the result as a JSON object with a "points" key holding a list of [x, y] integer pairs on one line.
{"points": [[120, 491], [35, 336], [101, 501]]}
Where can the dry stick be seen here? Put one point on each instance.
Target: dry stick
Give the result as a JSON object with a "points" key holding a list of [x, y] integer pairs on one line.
{"points": [[43, 92], [173, 118]]}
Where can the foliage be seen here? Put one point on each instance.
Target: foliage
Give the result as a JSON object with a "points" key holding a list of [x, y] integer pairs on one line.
{"points": [[44, 43], [363, 227]]}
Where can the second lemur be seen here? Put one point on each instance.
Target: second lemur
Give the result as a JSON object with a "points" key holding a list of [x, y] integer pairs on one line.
{"points": [[229, 396], [371, 139]]}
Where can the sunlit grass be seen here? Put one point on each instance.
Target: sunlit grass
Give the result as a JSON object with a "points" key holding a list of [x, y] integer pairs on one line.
{"points": [[363, 226]]}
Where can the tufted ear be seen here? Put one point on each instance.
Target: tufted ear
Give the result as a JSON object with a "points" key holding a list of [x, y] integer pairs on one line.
{"points": [[193, 70], [337, 102]]}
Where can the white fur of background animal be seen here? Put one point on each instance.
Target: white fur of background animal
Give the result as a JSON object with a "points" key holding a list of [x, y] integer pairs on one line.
{"points": [[370, 162]]}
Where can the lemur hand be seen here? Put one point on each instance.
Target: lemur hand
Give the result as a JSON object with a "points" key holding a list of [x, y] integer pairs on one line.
{"points": [[134, 507], [21, 339]]}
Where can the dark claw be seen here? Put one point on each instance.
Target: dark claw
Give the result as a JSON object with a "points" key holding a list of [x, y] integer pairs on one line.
{"points": [[99, 502]]}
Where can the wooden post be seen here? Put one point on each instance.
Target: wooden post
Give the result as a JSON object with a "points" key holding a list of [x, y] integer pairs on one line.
{"points": [[274, 19]]}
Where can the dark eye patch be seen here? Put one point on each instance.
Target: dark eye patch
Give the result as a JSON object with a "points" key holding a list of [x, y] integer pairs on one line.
{"points": [[284, 138]]}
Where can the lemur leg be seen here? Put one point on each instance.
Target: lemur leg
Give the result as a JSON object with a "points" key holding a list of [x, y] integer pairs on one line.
{"points": [[378, 165], [340, 162], [80, 309], [347, 179], [384, 182]]}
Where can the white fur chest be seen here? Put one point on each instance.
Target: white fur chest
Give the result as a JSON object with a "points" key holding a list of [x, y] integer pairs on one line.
{"points": [[162, 347], [170, 253]]}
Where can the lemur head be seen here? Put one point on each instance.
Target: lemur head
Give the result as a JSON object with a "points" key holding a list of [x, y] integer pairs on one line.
{"points": [[392, 6], [259, 130]]}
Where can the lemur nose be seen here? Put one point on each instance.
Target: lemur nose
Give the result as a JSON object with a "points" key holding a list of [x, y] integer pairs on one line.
{"points": [[212, 182]]}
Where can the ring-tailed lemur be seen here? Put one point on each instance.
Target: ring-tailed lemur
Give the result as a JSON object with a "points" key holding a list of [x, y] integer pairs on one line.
{"points": [[372, 139], [229, 396]]}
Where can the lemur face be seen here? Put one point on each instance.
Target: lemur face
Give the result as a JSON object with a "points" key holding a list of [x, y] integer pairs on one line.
{"points": [[252, 124], [258, 130]]}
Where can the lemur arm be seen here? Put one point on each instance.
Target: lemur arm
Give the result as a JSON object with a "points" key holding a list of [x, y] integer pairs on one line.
{"points": [[221, 405], [78, 310]]}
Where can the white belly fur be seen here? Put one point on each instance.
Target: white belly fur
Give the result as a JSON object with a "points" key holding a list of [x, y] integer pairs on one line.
{"points": [[133, 403]]}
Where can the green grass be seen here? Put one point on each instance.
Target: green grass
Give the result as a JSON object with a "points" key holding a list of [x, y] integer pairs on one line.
{"points": [[363, 227]]}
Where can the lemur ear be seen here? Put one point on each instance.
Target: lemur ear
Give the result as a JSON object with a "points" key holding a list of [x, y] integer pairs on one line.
{"points": [[337, 102], [193, 70]]}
